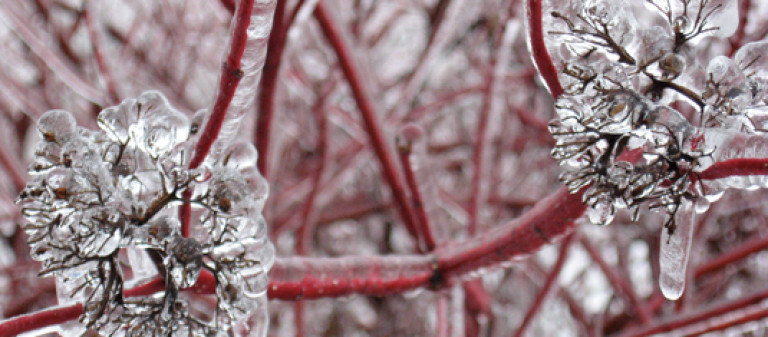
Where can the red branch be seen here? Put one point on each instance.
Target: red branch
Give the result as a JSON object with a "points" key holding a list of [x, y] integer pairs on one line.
{"points": [[539, 51], [231, 75], [551, 218], [736, 167], [405, 153], [742, 251], [309, 213], [39, 319], [547, 287], [701, 316], [737, 40], [620, 285], [266, 98], [478, 155], [369, 115]]}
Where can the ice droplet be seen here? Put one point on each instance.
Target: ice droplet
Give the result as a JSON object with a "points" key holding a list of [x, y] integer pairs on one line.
{"points": [[185, 262], [601, 213], [752, 57], [241, 155], [55, 124], [675, 250], [725, 73]]}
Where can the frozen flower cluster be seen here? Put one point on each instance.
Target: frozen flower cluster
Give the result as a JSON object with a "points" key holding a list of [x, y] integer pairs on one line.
{"points": [[102, 216], [635, 92], [627, 150]]}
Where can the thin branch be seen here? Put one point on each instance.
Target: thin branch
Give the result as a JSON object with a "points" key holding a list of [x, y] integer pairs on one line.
{"points": [[40, 319], [680, 321], [369, 114], [726, 259], [231, 75], [51, 59], [268, 86], [735, 167], [538, 48], [737, 40], [620, 285], [309, 213], [405, 153], [98, 56], [548, 286]]}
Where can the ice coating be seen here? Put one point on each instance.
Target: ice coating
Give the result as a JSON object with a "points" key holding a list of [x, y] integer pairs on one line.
{"points": [[252, 64], [96, 193], [56, 124]]}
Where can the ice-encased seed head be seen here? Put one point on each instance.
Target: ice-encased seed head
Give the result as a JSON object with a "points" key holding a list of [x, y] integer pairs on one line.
{"points": [[186, 260], [94, 194], [54, 125], [671, 66]]}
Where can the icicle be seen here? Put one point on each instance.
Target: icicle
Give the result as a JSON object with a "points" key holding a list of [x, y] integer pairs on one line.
{"points": [[675, 250]]}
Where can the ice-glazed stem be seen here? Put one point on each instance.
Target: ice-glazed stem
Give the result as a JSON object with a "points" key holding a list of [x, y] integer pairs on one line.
{"points": [[266, 98], [701, 316], [13, 16], [547, 288], [538, 48], [39, 319], [250, 29], [240, 74], [675, 250], [370, 115]]}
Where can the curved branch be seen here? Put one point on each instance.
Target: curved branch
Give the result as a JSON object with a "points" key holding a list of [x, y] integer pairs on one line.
{"points": [[538, 48]]}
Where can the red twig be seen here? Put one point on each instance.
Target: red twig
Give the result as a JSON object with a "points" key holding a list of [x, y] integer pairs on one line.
{"points": [[742, 251], [736, 167], [551, 218], [732, 319], [737, 40], [39, 319], [369, 115], [304, 234], [478, 155], [547, 287], [421, 111], [620, 284], [574, 307], [308, 278], [538, 48], [266, 98], [98, 56], [51, 59], [231, 75], [701, 316], [405, 152]]}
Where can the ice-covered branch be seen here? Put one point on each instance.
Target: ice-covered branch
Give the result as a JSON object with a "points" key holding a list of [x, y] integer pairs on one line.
{"points": [[240, 74], [370, 116], [538, 48]]}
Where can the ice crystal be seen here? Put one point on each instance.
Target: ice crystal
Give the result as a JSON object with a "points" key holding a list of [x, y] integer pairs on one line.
{"points": [[95, 194]]}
